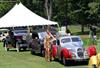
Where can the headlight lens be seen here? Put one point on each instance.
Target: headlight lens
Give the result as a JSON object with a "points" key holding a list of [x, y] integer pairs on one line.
{"points": [[73, 55], [86, 53], [24, 37]]}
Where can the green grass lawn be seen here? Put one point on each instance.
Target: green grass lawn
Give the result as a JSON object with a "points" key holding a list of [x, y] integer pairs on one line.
{"points": [[13, 59]]}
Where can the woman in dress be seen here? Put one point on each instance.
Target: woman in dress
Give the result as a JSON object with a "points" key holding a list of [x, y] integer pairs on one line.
{"points": [[47, 45]]}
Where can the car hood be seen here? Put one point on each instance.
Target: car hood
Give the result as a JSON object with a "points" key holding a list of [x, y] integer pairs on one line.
{"points": [[72, 46]]}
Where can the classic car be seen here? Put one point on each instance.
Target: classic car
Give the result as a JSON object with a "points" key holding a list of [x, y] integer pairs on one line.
{"points": [[37, 42], [17, 40], [94, 61], [67, 48]]}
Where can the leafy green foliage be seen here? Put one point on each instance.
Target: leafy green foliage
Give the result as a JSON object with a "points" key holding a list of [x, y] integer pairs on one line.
{"points": [[63, 11], [5, 7]]}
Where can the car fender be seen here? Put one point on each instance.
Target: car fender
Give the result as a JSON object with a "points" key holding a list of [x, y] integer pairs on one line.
{"points": [[66, 53], [91, 51], [54, 50]]}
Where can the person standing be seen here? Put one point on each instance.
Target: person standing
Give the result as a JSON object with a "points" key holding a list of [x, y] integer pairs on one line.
{"points": [[47, 45], [92, 34], [68, 32]]}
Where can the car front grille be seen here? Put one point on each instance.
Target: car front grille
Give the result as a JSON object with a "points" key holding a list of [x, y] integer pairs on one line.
{"points": [[80, 54]]}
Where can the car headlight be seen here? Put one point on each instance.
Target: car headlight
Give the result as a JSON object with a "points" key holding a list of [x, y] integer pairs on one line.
{"points": [[86, 53], [73, 55], [24, 37]]}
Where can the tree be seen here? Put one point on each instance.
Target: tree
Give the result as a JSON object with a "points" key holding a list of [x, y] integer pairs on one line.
{"points": [[5, 6], [48, 7], [80, 12], [60, 12], [93, 12]]}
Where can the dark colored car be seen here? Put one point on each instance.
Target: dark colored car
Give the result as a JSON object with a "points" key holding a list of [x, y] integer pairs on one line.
{"points": [[17, 39], [37, 42]]}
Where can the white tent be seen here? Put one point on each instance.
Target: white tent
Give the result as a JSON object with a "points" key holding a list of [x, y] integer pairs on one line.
{"points": [[19, 15]]}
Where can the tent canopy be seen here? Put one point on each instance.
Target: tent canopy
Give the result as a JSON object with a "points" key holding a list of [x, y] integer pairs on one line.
{"points": [[19, 15]]}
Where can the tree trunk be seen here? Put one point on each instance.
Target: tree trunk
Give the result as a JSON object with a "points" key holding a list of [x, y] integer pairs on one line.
{"points": [[48, 6], [82, 28]]}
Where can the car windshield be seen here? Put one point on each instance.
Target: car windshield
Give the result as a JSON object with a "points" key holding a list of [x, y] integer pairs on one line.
{"points": [[20, 32], [42, 35], [75, 39], [65, 40]]}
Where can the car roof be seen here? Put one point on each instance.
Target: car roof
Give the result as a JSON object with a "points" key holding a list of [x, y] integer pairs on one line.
{"points": [[19, 30], [69, 37]]}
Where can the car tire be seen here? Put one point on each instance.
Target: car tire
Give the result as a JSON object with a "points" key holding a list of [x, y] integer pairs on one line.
{"points": [[43, 53], [32, 52], [24, 48], [63, 60], [6, 49], [66, 62]]}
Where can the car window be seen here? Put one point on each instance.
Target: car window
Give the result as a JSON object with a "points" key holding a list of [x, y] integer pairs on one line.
{"points": [[20, 32], [75, 39], [42, 35], [65, 40]]}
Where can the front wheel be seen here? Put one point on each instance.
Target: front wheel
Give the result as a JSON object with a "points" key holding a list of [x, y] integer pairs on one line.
{"points": [[24, 48], [43, 53], [6, 49], [63, 60], [32, 52]]}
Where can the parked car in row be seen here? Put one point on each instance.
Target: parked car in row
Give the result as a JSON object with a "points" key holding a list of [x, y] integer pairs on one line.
{"points": [[67, 48], [17, 39], [37, 42]]}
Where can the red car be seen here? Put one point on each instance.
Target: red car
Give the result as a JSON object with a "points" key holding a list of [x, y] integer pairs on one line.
{"points": [[71, 48]]}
